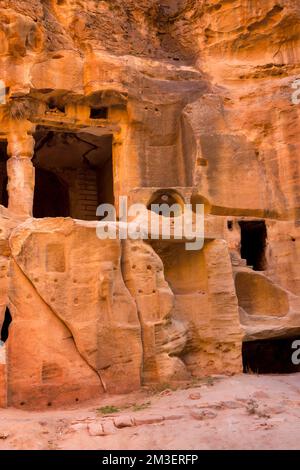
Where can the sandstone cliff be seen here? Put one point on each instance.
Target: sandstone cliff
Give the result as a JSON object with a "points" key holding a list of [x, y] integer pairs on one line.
{"points": [[185, 99]]}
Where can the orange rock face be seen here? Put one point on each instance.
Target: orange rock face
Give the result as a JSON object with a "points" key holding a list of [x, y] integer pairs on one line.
{"points": [[173, 101]]}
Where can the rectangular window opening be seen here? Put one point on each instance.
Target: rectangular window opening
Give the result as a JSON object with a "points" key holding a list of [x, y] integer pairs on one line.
{"points": [[253, 243]]}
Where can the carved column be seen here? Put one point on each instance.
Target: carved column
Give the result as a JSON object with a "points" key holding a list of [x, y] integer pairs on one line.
{"points": [[20, 170]]}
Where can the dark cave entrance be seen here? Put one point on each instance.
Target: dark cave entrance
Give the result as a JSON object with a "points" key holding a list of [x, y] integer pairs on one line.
{"points": [[253, 243], [74, 173], [3, 174], [5, 325], [4, 193], [270, 356], [99, 113], [51, 195]]}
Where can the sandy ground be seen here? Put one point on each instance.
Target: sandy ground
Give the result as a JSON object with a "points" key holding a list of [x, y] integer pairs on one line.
{"points": [[241, 412]]}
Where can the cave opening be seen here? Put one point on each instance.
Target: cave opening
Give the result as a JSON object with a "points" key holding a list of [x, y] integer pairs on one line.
{"points": [[99, 113], [5, 326], [270, 356], [253, 243], [51, 195], [3, 174], [74, 173], [55, 107]]}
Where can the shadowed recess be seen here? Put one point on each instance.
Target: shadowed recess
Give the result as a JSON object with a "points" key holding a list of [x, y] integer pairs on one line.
{"points": [[269, 356], [253, 243], [5, 325]]}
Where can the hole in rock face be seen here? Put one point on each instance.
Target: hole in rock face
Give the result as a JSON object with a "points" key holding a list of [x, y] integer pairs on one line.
{"points": [[54, 106], [51, 195], [5, 326], [74, 174], [270, 356], [4, 193], [253, 243], [230, 225], [3, 174], [99, 113]]}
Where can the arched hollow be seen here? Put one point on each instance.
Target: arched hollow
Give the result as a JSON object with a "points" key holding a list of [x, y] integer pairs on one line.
{"points": [[166, 202], [197, 199]]}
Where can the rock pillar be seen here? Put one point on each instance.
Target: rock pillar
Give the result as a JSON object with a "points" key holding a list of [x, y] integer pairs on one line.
{"points": [[20, 172]]}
